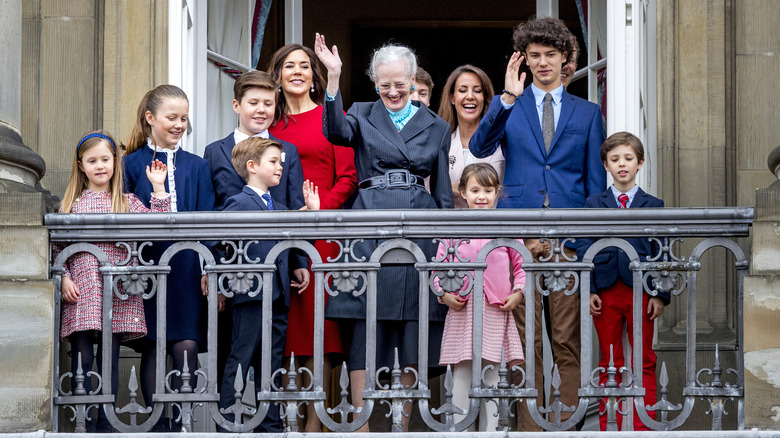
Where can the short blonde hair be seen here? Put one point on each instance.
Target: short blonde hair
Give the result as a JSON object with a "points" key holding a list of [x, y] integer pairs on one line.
{"points": [[253, 149]]}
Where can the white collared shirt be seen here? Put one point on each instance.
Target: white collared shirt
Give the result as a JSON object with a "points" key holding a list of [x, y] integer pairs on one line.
{"points": [[631, 193], [260, 193]]}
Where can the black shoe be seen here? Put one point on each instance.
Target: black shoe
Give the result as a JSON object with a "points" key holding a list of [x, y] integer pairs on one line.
{"points": [[90, 425], [162, 425], [104, 426]]}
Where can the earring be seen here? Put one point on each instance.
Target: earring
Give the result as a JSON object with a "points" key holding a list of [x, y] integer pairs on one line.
{"points": [[377, 90], [312, 87], [279, 89], [412, 87]]}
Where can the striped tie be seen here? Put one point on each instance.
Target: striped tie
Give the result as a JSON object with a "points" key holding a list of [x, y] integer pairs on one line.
{"points": [[623, 198]]}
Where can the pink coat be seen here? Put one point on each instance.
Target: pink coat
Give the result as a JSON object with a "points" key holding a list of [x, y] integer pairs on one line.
{"points": [[500, 262]]}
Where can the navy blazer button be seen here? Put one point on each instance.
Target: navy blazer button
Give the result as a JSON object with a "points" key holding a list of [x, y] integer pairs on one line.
{"points": [[405, 164], [381, 162], [541, 192], [547, 167]]}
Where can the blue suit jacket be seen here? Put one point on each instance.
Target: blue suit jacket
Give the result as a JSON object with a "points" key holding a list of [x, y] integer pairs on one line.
{"points": [[227, 182], [571, 172], [248, 200], [612, 262]]}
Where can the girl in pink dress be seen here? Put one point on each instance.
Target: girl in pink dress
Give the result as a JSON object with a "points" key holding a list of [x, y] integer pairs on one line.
{"points": [[479, 186], [95, 186]]}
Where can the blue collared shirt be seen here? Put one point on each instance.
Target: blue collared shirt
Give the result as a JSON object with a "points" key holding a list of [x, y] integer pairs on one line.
{"points": [[631, 193], [557, 97]]}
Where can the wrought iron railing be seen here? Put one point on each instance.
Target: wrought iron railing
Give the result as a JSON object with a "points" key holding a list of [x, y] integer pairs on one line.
{"points": [[716, 227]]}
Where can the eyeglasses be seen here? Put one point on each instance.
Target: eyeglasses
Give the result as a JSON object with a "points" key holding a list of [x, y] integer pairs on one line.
{"points": [[397, 86]]}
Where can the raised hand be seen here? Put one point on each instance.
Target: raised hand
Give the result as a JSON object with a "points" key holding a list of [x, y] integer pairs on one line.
{"points": [[330, 58], [513, 80], [311, 194], [157, 172]]}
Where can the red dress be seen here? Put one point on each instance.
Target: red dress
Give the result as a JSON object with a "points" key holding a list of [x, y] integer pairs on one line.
{"points": [[332, 169], [83, 269]]}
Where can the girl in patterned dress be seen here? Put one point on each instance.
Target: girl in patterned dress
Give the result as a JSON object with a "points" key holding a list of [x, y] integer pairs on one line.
{"points": [[479, 186], [95, 186]]}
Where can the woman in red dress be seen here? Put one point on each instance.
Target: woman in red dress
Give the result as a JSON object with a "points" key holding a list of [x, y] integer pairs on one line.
{"points": [[331, 168]]}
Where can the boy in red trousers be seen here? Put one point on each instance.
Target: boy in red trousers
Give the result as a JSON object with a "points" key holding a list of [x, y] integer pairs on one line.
{"points": [[611, 297]]}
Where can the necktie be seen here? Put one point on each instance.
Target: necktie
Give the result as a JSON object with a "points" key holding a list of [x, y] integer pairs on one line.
{"points": [[548, 122], [268, 201], [623, 198]]}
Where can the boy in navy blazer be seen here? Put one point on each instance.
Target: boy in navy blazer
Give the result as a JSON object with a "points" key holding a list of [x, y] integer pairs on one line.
{"points": [[550, 140], [258, 161], [611, 297], [255, 96], [254, 100]]}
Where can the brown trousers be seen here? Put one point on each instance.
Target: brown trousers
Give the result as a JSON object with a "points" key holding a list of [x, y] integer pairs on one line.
{"points": [[564, 316]]}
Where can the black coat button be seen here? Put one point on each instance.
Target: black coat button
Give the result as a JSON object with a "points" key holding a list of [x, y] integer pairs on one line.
{"points": [[381, 162]]}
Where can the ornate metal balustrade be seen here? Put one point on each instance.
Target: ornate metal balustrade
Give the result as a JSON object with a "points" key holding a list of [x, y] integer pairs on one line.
{"points": [[349, 273]]}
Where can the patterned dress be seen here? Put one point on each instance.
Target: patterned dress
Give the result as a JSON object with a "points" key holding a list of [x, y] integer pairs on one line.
{"points": [[499, 330], [83, 269]]}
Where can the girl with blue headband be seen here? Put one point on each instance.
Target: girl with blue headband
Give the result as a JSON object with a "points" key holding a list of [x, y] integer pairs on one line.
{"points": [[95, 186]]}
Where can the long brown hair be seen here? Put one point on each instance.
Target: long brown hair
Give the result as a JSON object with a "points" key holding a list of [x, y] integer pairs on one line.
{"points": [[151, 102], [275, 70], [78, 179], [446, 110]]}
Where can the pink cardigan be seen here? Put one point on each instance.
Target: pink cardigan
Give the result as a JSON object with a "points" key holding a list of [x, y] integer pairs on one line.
{"points": [[497, 285]]}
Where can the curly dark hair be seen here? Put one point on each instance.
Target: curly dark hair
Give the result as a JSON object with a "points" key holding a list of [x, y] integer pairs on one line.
{"points": [[545, 31]]}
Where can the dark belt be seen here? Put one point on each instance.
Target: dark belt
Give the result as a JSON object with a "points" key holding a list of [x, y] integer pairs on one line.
{"points": [[398, 178]]}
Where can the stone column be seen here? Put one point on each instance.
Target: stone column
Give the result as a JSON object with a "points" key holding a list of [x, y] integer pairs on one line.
{"points": [[26, 319], [762, 310]]}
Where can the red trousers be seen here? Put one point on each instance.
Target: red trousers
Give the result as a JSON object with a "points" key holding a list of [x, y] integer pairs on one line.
{"points": [[616, 310]]}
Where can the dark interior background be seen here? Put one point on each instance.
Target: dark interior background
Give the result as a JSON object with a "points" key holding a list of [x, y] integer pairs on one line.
{"points": [[443, 33]]}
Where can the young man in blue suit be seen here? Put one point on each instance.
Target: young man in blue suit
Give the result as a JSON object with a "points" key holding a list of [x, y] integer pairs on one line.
{"points": [[254, 100], [550, 140], [258, 161], [611, 298]]}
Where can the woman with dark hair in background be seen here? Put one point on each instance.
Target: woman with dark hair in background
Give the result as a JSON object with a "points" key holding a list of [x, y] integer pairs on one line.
{"points": [[464, 101]]}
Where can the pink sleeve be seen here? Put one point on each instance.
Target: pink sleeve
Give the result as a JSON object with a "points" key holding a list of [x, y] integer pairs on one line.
{"points": [[517, 266], [159, 205], [439, 254]]}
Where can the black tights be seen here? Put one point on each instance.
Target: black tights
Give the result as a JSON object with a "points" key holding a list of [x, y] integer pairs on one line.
{"points": [[176, 350], [82, 342]]}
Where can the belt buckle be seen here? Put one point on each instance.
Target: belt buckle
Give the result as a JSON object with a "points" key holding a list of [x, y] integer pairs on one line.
{"points": [[398, 178]]}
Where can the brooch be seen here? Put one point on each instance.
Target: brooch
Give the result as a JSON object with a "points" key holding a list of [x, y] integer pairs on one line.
{"points": [[452, 161]]}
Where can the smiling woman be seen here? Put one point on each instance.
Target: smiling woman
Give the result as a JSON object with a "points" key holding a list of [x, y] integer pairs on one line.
{"points": [[464, 100], [398, 142], [331, 168]]}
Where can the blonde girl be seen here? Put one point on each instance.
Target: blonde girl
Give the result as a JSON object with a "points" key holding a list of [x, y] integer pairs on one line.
{"points": [[95, 186]]}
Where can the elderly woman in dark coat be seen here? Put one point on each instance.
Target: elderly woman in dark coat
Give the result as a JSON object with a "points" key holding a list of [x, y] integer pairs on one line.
{"points": [[398, 142]]}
